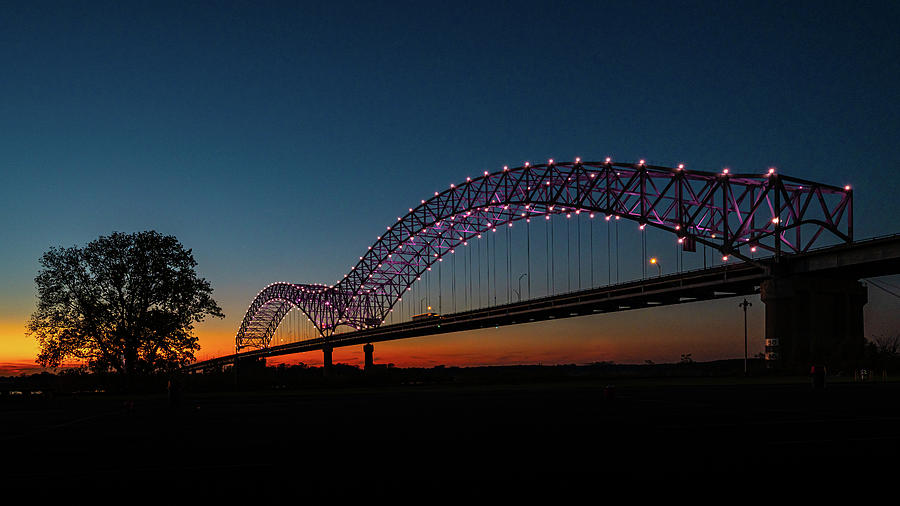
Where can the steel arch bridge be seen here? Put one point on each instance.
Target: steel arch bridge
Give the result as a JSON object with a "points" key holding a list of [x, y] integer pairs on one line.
{"points": [[731, 213]]}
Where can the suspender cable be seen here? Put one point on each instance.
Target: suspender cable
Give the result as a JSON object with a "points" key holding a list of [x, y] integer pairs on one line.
{"points": [[547, 244], [495, 267], [568, 254], [440, 287], [453, 284], [553, 256], [508, 285], [479, 275], [578, 229], [528, 247]]}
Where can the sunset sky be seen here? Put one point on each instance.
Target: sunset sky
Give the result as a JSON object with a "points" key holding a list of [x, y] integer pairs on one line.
{"points": [[277, 141]]}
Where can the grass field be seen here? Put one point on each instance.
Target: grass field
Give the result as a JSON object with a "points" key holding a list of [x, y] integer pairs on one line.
{"points": [[381, 440]]}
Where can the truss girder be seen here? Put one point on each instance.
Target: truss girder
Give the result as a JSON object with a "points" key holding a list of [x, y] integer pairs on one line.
{"points": [[728, 212]]}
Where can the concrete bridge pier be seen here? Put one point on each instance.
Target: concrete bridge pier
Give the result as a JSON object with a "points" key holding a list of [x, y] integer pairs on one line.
{"points": [[814, 321], [369, 349], [326, 362]]}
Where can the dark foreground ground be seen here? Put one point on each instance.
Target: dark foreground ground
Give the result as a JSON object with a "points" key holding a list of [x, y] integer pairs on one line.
{"points": [[557, 438]]}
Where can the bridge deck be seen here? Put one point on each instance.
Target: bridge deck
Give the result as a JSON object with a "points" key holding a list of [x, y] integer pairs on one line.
{"points": [[717, 282], [872, 257]]}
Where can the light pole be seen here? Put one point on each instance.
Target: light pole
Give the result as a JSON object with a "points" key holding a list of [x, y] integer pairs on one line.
{"points": [[519, 293], [422, 304], [745, 305], [655, 262]]}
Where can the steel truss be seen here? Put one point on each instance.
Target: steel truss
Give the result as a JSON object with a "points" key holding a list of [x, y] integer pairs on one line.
{"points": [[731, 213]]}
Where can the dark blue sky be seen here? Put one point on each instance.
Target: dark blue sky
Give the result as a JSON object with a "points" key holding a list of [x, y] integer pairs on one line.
{"points": [[277, 142]]}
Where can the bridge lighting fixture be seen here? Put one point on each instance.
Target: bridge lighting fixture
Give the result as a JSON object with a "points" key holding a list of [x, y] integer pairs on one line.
{"points": [[775, 220], [725, 170], [771, 170], [547, 217], [592, 216], [641, 227], [680, 166], [607, 217], [725, 258], [550, 161], [485, 173], [641, 162], [608, 159], [681, 240], [847, 187], [527, 164], [577, 159], [505, 167], [568, 215], [752, 249]]}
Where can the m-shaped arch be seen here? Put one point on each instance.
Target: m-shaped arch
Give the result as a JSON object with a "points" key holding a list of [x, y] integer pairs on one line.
{"points": [[729, 212]]}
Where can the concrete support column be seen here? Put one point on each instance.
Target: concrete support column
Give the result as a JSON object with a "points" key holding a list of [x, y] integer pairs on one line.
{"points": [[368, 349], [326, 362], [814, 321]]}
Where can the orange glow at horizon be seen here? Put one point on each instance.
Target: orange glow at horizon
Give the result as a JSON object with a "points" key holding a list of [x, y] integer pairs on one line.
{"points": [[660, 334]]}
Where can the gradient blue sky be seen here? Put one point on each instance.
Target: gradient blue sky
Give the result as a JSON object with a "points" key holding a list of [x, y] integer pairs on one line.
{"points": [[278, 139]]}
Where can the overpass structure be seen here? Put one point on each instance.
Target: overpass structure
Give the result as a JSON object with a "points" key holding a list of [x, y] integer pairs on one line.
{"points": [[812, 294]]}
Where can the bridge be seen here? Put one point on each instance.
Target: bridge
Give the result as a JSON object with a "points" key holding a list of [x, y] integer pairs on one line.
{"points": [[789, 239]]}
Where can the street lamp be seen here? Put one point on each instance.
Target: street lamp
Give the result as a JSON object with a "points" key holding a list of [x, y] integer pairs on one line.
{"points": [[745, 305], [519, 292], [655, 262]]}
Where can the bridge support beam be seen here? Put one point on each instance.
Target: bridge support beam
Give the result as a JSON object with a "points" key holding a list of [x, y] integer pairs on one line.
{"points": [[814, 321], [368, 350], [326, 359]]}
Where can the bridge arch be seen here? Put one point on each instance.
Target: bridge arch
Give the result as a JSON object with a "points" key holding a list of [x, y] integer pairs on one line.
{"points": [[728, 212]]}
